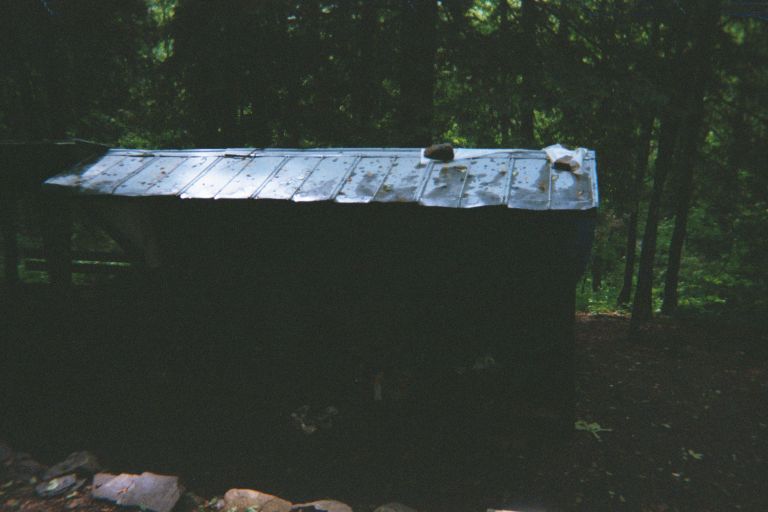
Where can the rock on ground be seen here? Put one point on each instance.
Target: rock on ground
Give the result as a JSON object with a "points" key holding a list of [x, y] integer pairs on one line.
{"points": [[241, 499], [323, 506], [25, 467], [158, 493], [6, 454], [79, 462], [394, 507], [58, 486]]}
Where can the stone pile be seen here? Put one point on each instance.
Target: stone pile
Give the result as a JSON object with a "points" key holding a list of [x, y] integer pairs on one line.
{"points": [[147, 491]]}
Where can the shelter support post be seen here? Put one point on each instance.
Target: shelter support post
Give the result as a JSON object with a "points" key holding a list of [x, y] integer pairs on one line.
{"points": [[8, 224], [550, 387], [561, 382], [57, 234]]}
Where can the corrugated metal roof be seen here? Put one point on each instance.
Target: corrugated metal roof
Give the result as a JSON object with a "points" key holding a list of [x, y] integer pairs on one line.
{"points": [[522, 179]]}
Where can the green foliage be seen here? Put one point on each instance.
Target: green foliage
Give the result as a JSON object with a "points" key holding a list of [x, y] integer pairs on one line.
{"points": [[478, 73]]}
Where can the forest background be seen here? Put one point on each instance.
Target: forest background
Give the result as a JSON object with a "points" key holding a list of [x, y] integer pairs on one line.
{"points": [[671, 94]]}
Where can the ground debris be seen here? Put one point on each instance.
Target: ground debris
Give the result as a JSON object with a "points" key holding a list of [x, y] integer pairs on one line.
{"points": [[309, 422], [83, 463], [24, 467], [59, 485]]}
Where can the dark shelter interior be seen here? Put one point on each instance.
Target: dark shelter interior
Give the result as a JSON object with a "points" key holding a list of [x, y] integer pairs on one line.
{"points": [[252, 329]]}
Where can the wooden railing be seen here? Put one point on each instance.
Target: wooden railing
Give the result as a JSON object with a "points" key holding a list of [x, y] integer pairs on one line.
{"points": [[82, 262]]}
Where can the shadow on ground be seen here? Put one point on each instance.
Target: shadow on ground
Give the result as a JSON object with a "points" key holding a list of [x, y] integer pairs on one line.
{"points": [[681, 427]]}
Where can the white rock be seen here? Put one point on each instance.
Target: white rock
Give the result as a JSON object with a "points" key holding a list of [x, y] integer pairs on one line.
{"points": [[241, 499], [158, 493], [394, 507], [323, 506]]}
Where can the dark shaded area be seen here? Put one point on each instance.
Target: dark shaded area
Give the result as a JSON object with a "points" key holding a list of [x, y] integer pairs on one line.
{"points": [[157, 370], [685, 390], [615, 76], [263, 307]]}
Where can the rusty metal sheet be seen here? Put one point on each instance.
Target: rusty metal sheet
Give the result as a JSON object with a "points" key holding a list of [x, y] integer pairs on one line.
{"points": [[572, 191], [250, 179], [149, 175], [530, 184], [445, 184], [287, 180], [488, 182], [180, 177], [215, 178], [403, 182], [365, 180], [326, 179]]}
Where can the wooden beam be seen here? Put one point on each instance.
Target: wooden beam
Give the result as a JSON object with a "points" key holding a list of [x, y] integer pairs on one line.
{"points": [[57, 235], [8, 226]]}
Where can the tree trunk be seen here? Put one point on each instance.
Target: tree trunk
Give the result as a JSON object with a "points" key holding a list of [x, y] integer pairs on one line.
{"points": [[365, 90], [418, 46], [631, 250], [642, 306], [669, 304], [508, 104], [8, 226], [529, 63], [597, 273], [700, 66]]}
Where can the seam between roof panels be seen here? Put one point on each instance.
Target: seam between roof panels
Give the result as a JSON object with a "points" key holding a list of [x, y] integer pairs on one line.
{"points": [[346, 176], [246, 164], [80, 165], [386, 175], [143, 166], [120, 183], [424, 182], [463, 186], [269, 178], [182, 161], [511, 166], [314, 168], [181, 192], [550, 185], [80, 182]]}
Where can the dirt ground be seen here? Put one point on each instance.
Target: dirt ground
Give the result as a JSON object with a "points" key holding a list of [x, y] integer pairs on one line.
{"points": [[674, 421]]}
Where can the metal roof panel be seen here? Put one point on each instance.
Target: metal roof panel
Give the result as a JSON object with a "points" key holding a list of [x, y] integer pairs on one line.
{"points": [[139, 183], [251, 178], [326, 179], [173, 182], [403, 182], [365, 179], [522, 179], [488, 182]]}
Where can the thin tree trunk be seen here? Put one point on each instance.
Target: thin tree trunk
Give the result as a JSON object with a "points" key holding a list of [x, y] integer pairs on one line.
{"points": [[508, 105], [669, 304], [629, 262], [631, 249], [642, 306], [8, 226], [364, 92], [671, 124], [701, 74], [597, 273], [529, 62], [418, 47]]}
